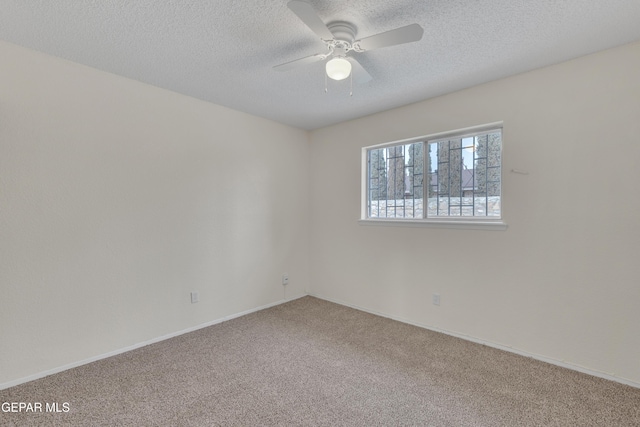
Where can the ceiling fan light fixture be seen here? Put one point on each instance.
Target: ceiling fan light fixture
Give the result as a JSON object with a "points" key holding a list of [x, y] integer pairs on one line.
{"points": [[338, 68]]}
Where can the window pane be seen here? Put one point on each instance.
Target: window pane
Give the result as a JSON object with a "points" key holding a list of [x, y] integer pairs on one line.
{"points": [[395, 181], [464, 176]]}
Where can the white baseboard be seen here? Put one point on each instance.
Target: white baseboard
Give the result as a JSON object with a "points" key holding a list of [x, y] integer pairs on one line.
{"points": [[542, 358], [140, 344], [233, 316]]}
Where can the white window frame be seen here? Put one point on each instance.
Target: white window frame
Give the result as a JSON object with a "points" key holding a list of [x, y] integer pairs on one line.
{"points": [[478, 223]]}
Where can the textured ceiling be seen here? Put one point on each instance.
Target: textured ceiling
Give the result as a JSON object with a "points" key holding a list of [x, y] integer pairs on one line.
{"points": [[223, 51]]}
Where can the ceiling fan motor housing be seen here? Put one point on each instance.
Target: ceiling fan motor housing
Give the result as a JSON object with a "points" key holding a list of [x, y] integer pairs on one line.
{"points": [[344, 35], [343, 31]]}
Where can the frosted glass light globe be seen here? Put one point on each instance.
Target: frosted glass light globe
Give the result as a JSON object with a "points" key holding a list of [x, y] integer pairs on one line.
{"points": [[338, 68]]}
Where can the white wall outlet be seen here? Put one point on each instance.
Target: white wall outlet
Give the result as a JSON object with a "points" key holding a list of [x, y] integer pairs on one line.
{"points": [[285, 279], [436, 299], [194, 297]]}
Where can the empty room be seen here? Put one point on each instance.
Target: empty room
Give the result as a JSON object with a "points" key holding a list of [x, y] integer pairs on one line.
{"points": [[319, 213]]}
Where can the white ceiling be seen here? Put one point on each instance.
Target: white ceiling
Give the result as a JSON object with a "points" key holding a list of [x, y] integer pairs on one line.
{"points": [[223, 51]]}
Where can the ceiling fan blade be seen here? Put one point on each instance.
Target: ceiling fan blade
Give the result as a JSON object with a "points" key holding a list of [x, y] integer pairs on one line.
{"points": [[360, 75], [305, 12], [299, 62], [410, 33]]}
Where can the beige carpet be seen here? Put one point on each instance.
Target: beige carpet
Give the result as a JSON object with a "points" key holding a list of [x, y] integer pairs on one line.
{"points": [[314, 363]]}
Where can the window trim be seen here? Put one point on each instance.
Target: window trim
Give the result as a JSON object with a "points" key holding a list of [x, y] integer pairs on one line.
{"points": [[437, 223], [481, 223]]}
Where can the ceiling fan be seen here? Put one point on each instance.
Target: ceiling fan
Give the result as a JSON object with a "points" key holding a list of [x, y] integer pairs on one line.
{"points": [[340, 40]]}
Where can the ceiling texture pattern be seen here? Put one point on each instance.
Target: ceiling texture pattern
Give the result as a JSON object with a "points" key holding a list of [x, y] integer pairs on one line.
{"points": [[224, 51]]}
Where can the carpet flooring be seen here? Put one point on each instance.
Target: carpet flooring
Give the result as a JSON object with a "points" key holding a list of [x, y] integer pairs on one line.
{"points": [[310, 362]]}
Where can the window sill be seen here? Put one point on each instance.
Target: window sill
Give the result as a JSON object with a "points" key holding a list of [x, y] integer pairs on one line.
{"points": [[497, 225]]}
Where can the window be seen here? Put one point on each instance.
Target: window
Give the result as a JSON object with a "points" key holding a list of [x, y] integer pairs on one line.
{"points": [[447, 177]]}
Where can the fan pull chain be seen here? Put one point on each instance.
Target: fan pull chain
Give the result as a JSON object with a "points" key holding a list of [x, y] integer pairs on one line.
{"points": [[326, 90], [351, 88]]}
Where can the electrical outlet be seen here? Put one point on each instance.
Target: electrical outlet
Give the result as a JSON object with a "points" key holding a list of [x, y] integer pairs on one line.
{"points": [[436, 299], [194, 297], [285, 279]]}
